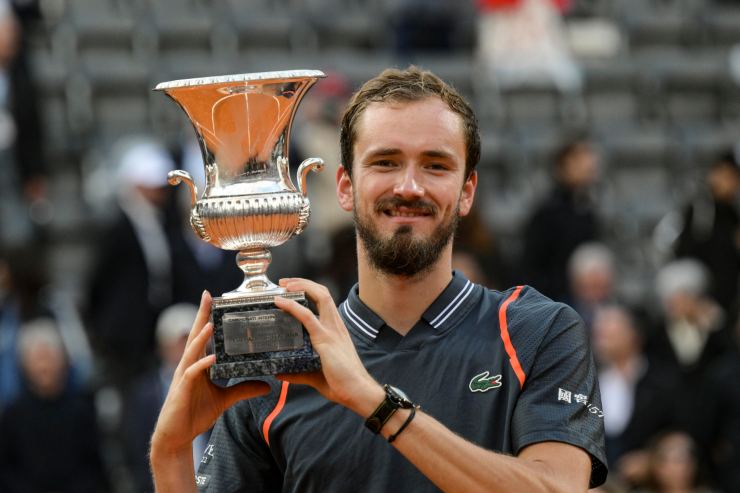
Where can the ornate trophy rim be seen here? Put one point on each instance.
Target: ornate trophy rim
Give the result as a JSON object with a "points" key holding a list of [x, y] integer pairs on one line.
{"points": [[240, 78]]}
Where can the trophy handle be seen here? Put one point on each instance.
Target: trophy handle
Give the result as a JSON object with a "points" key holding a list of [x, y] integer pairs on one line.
{"points": [[178, 176], [175, 178], [310, 164]]}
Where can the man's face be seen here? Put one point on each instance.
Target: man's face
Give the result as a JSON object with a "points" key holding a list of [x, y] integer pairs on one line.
{"points": [[724, 182], [9, 34], [408, 186], [580, 169]]}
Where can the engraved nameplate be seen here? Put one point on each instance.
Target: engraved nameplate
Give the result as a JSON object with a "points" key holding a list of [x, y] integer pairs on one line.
{"points": [[258, 331]]}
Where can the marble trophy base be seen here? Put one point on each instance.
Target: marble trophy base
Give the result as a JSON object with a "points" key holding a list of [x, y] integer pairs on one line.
{"points": [[252, 337]]}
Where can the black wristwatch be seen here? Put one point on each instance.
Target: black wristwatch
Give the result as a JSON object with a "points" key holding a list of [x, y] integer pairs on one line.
{"points": [[394, 399]]}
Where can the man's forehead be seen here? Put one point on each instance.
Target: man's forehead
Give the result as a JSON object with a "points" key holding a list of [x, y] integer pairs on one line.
{"points": [[432, 109], [401, 104]]}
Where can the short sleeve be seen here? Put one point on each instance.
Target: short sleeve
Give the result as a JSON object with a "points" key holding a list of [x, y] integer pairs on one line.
{"points": [[560, 400], [236, 458]]}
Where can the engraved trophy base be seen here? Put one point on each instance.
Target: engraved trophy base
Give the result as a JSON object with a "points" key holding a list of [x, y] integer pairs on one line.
{"points": [[252, 337]]}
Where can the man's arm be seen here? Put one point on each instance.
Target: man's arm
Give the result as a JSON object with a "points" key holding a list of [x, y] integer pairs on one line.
{"points": [[454, 464], [192, 405], [448, 460]]}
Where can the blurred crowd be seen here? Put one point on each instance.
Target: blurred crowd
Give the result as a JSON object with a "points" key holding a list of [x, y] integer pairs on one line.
{"points": [[81, 381]]}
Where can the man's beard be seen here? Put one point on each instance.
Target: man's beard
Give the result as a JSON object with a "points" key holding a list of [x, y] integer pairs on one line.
{"points": [[402, 254]]}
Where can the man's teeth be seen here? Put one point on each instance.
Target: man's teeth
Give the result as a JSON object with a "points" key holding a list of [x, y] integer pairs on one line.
{"points": [[406, 214]]}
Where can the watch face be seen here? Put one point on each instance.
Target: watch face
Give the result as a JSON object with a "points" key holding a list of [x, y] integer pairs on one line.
{"points": [[399, 396]]}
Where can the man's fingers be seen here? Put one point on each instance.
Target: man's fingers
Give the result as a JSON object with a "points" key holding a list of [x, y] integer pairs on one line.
{"points": [[204, 313], [299, 312], [194, 370], [245, 390], [315, 291], [197, 346]]}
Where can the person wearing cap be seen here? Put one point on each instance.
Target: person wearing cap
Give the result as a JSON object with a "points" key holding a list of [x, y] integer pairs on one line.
{"points": [[429, 381], [132, 275]]}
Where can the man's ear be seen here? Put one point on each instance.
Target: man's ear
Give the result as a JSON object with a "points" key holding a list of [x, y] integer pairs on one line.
{"points": [[344, 189], [468, 193]]}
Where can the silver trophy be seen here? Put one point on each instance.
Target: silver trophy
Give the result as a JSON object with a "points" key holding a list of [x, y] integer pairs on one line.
{"points": [[249, 204]]}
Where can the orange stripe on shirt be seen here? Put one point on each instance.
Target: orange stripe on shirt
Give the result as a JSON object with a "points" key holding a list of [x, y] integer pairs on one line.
{"points": [[504, 324], [271, 417]]}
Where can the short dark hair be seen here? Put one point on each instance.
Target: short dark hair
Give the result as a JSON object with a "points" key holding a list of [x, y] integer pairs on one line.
{"points": [[411, 84], [726, 158], [569, 146]]}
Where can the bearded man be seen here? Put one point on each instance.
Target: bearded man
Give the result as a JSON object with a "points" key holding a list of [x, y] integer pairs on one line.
{"points": [[499, 388]]}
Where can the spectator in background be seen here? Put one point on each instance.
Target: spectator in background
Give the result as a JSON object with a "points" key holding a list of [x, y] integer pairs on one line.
{"points": [[22, 182], [591, 274], [637, 394], [22, 275], [711, 229], [566, 219], [674, 466], [132, 276], [49, 437], [690, 337], [146, 395], [720, 418], [522, 43]]}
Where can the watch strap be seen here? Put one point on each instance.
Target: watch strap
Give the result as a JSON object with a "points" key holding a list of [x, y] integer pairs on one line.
{"points": [[393, 437], [385, 410]]}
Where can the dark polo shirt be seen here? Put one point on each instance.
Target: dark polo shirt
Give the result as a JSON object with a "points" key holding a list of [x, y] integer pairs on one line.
{"points": [[502, 369]]}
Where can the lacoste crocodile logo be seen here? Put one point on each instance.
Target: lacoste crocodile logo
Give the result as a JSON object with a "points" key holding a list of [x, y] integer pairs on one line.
{"points": [[483, 383]]}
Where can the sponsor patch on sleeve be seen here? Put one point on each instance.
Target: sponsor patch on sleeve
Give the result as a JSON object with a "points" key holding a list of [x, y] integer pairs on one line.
{"points": [[202, 480], [568, 397], [207, 454]]}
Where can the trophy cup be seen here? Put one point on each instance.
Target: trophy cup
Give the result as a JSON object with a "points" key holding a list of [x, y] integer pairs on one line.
{"points": [[249, 204]]}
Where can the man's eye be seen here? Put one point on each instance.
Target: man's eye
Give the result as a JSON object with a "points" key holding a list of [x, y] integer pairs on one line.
{"points": [[384, 163], [436, 166]]}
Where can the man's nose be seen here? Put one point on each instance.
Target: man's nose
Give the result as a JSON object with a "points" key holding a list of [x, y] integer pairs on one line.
{"points": [[408, 184]]}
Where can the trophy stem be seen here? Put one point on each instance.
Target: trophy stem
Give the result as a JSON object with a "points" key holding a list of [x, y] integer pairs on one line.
{"points": [[254, 263]]}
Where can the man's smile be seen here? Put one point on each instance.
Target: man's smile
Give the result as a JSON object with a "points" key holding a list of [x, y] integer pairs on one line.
{"points": [[401, 209]]}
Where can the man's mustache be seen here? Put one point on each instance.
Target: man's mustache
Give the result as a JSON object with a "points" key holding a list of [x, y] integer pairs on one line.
{"points": [[397, 202]]}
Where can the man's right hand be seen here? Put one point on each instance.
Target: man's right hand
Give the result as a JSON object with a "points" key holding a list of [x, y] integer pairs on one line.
{"points": [[192, 406]]}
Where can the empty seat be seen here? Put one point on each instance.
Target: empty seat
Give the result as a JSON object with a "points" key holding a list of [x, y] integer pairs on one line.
{"points": [[97, 23], [722, 25], [639, 195], [262, 24], [611, 92], [526, 106], [635, 145], [691, 88]]}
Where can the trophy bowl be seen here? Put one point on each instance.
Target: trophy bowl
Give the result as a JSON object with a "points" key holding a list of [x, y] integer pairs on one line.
{"points": [[249, 204]]}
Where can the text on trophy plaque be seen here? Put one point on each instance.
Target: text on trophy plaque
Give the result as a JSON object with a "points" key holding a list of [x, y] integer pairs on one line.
{"points": [[259, 331]]}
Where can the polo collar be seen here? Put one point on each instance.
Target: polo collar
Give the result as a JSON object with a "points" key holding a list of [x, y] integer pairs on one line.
{"points": [[444, 312], [451, 303]]}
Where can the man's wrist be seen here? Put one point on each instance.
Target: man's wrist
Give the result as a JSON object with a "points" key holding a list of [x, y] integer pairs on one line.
{"points": [[394, 424], [159, 449], [172, 469], [366, 399]]}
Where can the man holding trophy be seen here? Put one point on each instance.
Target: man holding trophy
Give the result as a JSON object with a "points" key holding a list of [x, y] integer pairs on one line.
{"points": [[499, 388]]}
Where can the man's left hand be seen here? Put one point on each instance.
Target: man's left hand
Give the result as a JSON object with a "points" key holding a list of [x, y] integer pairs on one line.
{"points": [[343, 378]]}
